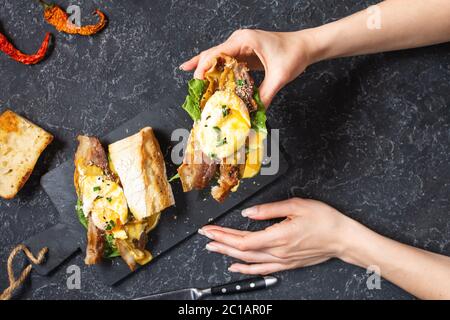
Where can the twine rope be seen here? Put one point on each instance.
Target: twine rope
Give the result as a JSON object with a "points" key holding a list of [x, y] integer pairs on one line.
{"points": [[16, 283]]}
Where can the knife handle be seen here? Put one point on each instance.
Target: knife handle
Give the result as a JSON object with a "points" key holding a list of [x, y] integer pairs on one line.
{"points": [[245, 285]]}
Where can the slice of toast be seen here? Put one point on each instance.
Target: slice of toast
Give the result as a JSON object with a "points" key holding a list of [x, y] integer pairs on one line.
{"points": [[21, 144], [139, 163]]}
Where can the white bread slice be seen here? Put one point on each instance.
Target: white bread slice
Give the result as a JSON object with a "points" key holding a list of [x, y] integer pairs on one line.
{"points": [[139, 163], [21, 144]]}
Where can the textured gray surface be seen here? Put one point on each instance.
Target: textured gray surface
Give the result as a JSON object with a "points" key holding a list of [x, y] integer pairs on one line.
{"points": [[369, 135]]}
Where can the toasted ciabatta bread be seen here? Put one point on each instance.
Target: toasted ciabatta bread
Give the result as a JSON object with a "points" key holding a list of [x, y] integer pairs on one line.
{"points": [[139, 163], [21, 144]]}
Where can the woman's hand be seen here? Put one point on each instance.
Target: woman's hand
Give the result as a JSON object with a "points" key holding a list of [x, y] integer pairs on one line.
{"points": [[282, 55], [312, 232]]}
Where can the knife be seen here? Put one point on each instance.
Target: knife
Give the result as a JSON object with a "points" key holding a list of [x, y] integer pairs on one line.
{"points": [[245, 285]]}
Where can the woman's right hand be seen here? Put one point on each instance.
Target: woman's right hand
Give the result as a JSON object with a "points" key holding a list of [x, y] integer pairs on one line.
{"points": [[282, 55]]}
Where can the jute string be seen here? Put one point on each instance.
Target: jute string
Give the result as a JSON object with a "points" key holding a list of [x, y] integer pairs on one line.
{"points": [[16, 283]]}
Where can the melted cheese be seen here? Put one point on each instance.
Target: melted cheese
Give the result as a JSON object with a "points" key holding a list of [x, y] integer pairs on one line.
{"points": [[255, 154]]}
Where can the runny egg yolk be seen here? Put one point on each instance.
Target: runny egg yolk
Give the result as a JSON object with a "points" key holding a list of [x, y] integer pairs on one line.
{"points": [[224, 125], [106, 202]]}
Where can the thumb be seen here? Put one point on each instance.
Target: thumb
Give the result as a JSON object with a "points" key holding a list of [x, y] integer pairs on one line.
{"points": [[269, 88], [268, 211]]}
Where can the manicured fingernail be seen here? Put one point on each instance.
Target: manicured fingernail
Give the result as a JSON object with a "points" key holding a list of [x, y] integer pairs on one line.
{"points": [[248, 212], [211, 247], [181, 67], [232, 269], [206, 234]]}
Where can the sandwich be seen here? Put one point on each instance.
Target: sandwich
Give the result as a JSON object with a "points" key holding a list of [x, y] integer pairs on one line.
{"points": [[120, 196], [226, 142]]}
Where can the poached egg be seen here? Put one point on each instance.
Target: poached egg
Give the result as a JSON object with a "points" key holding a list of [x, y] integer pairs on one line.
{"points": [[224, 125], [106, 202]]}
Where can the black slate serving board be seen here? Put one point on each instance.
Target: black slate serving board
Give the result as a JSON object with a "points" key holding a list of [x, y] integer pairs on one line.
{"points": [[192, 210]]}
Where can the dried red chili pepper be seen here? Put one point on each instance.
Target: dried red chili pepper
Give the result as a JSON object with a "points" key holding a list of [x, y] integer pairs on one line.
{"points": [[8, 48], [58, 18]]}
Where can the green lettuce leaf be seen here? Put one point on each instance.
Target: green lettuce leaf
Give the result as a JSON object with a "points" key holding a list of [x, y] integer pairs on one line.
{"points": [[111, 250], [259, 116], [80, 214], [175, 177], [196, 88]]}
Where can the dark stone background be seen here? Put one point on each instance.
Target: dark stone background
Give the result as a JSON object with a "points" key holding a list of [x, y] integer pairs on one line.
{"points": [[369, 135]]}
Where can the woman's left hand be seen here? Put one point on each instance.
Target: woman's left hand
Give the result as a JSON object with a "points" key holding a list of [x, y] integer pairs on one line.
{"points": [[312, 232]]}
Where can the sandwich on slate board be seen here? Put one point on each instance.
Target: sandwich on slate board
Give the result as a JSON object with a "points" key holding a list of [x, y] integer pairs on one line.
{"points": [[226, 141], [120, 196]]}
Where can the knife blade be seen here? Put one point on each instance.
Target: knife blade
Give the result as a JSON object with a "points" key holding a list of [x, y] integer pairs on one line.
{"points": [[246, 285]]}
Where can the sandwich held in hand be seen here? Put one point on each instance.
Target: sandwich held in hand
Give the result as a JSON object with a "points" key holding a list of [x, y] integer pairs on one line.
{"points": [[120, 195], [229, 129], [21, 144]]}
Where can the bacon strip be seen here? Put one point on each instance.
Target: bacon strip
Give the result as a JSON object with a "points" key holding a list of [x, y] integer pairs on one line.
{"points": [[218, 77], [125, 253], [95, 244], [91, 152], [245, 86], [197, 169], [229, 178]]}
